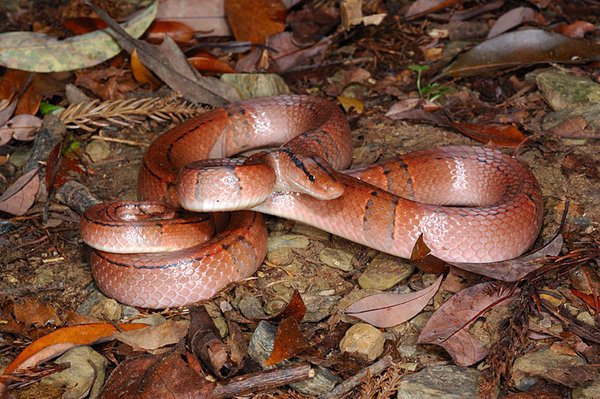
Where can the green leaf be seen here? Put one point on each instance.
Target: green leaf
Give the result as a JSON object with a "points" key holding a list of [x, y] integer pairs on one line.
{"points": [[47, 108], [38, 52]]}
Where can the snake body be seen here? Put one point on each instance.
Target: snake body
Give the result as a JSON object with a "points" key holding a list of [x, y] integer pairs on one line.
{"points": [[470, 204]]}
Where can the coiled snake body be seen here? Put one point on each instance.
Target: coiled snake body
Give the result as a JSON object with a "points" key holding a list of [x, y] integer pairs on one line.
{"points": [[470, 204]]}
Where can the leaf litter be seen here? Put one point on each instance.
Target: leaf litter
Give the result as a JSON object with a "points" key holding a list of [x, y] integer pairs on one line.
{"points": [[308, 55]]}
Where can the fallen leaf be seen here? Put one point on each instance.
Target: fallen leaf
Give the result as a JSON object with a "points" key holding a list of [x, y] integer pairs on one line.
{"points": [[295, 309], [515, 269], [448, 326], [205, 17], [422, 258], [591, 300], [521, 48], [32, 312], [576, 30], [424, 7], [12, 84], [171, 66], [58, 342], [18, 198], [289, 342], [388, 310], [38, 52], [149, 377], [402, 106], [154, 338], [82, 25], [515, 17], [500, 135], [255, 20], [205, 62], [350, 103], [142, 74], [22, 127], [176, 30]]}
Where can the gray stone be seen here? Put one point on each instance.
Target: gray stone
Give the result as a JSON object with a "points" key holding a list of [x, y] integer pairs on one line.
{"points": [[591, 391], [444, 382], [337, 259], [533, 366], [98, 150], [251, 85], [277, 241]]}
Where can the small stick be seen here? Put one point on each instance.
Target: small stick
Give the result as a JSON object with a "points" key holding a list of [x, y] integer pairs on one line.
{"points": [[354, 381], [263, 380], [120, 141]]}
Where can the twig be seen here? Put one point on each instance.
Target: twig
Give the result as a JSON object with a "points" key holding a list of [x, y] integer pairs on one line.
{"points": [[120, 141], [355, 380], [263, 380]]}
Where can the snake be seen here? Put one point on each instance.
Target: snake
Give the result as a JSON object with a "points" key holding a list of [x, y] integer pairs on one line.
{"points": [[199, 226]]}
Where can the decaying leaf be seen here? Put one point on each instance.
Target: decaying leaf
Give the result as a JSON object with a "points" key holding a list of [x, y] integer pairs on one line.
{"points": [[18, 198], [151, 376], [448, 326], [21, 127], [522, 48], [388, 310], [38, 52], [289, 341], [154, 338], [32, 312], [576, 30], [254, 21], [295, 309]]}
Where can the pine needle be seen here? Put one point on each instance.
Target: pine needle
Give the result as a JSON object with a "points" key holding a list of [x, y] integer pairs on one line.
{"points": [[92, 115]]}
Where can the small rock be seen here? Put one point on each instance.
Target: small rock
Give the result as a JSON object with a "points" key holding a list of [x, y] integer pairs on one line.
{"points": [[337, 259], [281, 257], [287, 241], [384, 272], [252, 307], [261, 346], [319, 306], [98, 150], [591, 391], [251, 85], [587, 318], [448, 382], [106, 309], [86, 373], [312, 232], [530, 368], [363, 341]]}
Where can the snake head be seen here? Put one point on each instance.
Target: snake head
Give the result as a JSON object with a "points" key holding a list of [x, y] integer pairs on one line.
{"points": [[307, 174]]}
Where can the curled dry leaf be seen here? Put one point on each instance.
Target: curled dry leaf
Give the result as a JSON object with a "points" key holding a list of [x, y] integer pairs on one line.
{"points": [[515, 269], [38, 52], [154, 338], [521, 48], [205, 62], [141, 73], [178, 31], [388, 310], [21, 127], [500, 135], [448, 326], [576, 30], [18, 198], [514, 18]]}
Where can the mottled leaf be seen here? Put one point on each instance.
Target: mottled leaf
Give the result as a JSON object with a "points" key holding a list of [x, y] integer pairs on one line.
{"points": [[522, 48], [388, 310], [38, 52]]}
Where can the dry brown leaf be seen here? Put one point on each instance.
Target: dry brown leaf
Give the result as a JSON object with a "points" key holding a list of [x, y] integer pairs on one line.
{"points": [[34, 313], [289, 341], [388, 310], [576, 30], [255, 20], [18, 198], [142, 74], [155, 337], [424, 7], [21, 127], [448, 326], [514, 18]]}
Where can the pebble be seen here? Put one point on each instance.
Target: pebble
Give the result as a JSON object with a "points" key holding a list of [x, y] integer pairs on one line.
{"points": [[281, 257], [337, 259], [363, 341], [384, 272], [312, 232], [319, 306], [250, 85], [591, 391], [531, 368], [98, 150], [448, 382], [85, 375], [297, 241], [106, 309]]}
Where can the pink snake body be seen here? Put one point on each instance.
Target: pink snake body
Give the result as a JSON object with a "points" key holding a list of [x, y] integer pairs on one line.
{"points": [[470, 204]]}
